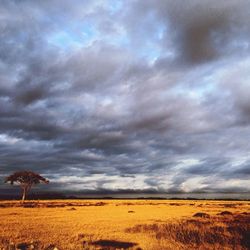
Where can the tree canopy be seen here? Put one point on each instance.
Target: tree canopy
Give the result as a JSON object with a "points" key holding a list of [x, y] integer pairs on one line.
{"points": [[26, 179]]}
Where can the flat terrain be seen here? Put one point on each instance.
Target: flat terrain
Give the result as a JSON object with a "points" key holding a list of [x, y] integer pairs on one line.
{"points": [[125, 224]]}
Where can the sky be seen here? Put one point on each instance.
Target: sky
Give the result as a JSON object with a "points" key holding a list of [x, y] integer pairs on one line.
{"points": [[136, 96]]}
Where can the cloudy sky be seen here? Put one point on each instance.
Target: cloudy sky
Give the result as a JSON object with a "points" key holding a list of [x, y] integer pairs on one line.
{"points": [[126, 96]]}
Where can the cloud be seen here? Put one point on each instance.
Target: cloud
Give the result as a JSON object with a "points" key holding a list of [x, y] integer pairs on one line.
{"points": [[194, 32], [155, 101]]}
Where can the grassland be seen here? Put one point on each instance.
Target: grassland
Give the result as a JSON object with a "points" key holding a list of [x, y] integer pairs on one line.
{"points": [[124, 224]]}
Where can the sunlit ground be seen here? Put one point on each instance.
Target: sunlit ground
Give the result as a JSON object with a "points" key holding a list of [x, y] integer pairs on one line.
{"points": [[125, 224]]}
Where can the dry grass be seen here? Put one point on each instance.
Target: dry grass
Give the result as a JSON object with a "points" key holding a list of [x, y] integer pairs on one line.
{"points": [[215, 233], [119, 224]]}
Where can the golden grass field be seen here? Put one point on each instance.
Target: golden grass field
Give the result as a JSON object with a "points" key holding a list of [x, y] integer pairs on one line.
{"points": [[125, 224]]}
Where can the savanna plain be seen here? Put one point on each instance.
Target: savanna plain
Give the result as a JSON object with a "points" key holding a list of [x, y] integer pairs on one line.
{"points": [[124, 224]]}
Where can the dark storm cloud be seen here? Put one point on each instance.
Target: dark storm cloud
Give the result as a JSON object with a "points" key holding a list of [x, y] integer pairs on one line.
{"points": [[154, 101], [203, 28], [209, 167], [196, 31], [244, 171]]}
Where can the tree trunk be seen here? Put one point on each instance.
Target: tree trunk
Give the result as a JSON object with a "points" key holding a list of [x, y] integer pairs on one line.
{"points": [[24, 194]]}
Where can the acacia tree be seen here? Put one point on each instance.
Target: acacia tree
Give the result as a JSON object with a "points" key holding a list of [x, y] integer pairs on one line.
{"points": [[26, 179]]}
